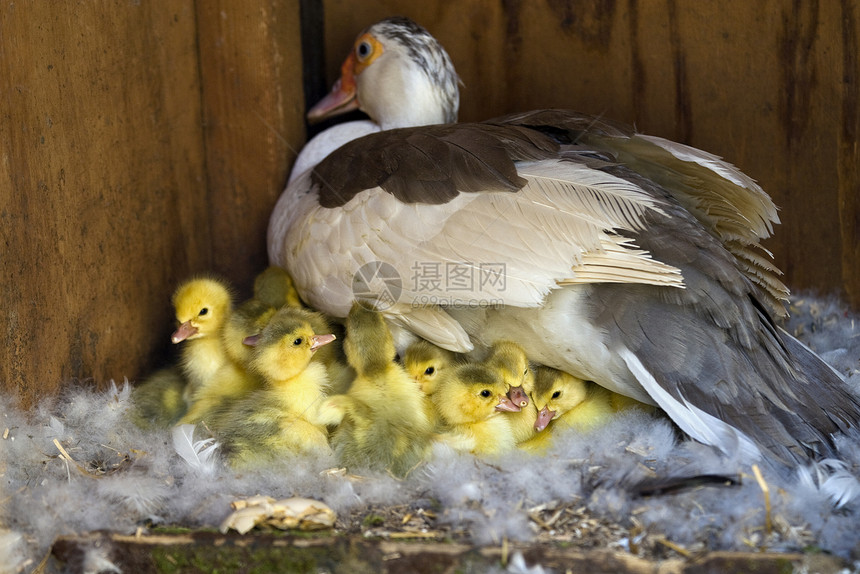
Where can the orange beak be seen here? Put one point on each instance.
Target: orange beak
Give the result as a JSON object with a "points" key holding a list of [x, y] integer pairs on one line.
{"points": [[342, 98]]}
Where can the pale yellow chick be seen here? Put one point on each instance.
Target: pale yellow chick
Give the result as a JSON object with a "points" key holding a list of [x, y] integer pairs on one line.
{"points": [[275, 287], [282, 418], [246, 320], [471, 400], [158, 400], [425, 363], [509, 362], [565, 401], [203, 307], [381, 421]]}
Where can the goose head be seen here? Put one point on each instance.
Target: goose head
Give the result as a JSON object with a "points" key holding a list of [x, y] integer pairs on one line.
{"points": [[399, 75]]}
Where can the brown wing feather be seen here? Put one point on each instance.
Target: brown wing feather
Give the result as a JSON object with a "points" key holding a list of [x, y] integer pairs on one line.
{"points": [[431, 164]]}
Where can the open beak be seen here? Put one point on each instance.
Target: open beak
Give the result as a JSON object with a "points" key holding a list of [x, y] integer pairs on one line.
{"points": [[519, 396], [184, 331], [320, 340], [507, 405], [342, 98], [544, 416]]}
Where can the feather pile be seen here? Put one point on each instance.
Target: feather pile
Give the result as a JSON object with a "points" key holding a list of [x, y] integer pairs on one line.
{"points": [[76, 464]]}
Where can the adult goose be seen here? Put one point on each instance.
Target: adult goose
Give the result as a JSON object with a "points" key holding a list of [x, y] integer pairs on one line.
{"points": [[620, 258]]}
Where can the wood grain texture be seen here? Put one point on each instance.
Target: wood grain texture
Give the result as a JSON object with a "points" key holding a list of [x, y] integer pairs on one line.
{"points": [[253, 108], [102, 187], [132, 168], [771, 86], [324, 551]]}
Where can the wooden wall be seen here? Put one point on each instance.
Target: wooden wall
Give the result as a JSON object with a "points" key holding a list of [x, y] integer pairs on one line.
{"points": [[141, 142]]}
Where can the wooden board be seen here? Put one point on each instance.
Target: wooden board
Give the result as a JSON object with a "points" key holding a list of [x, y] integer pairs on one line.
{"points": [[323, 551], [253, 117], [102, 183], [771, 86], [131, 168]]}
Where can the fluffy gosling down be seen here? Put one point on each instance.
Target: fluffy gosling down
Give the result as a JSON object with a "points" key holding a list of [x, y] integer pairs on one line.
{"points": [[203, 308], [159, 400], [273, 289], [509, 363], [282, 418], [473, 406], [564, 401], [381, 422], [425, 363]]}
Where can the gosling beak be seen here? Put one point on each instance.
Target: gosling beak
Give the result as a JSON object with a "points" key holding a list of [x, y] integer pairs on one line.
{"points": [[519, 396], [251, 340], [320, 340], [184, 331], [507, 405], [544, 416], [341, 99]]}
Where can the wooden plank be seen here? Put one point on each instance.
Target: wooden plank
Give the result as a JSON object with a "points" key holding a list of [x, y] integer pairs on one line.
{"points": [[849, 150], [102, 187], [771, 86], [323, 551], [253, 108]]}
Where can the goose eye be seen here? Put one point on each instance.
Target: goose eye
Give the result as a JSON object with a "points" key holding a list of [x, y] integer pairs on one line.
{"points": [[429, 371], [203, 311], [363, 50], [486, 393], [556, 394], [298, 341]]}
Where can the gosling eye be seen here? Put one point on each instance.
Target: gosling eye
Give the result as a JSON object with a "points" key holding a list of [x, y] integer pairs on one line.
{"points": [[486, 393], [429, 370], [363, 50], [203, 311], [298, 341], [556, 394]]}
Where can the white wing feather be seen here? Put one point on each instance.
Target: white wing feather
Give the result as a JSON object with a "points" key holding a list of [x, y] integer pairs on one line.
{"points": [[200, 455]]}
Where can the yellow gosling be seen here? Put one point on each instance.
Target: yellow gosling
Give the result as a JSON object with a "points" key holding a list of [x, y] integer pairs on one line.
{"points": [[381, 422], [282, 418], [470, 400]]}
